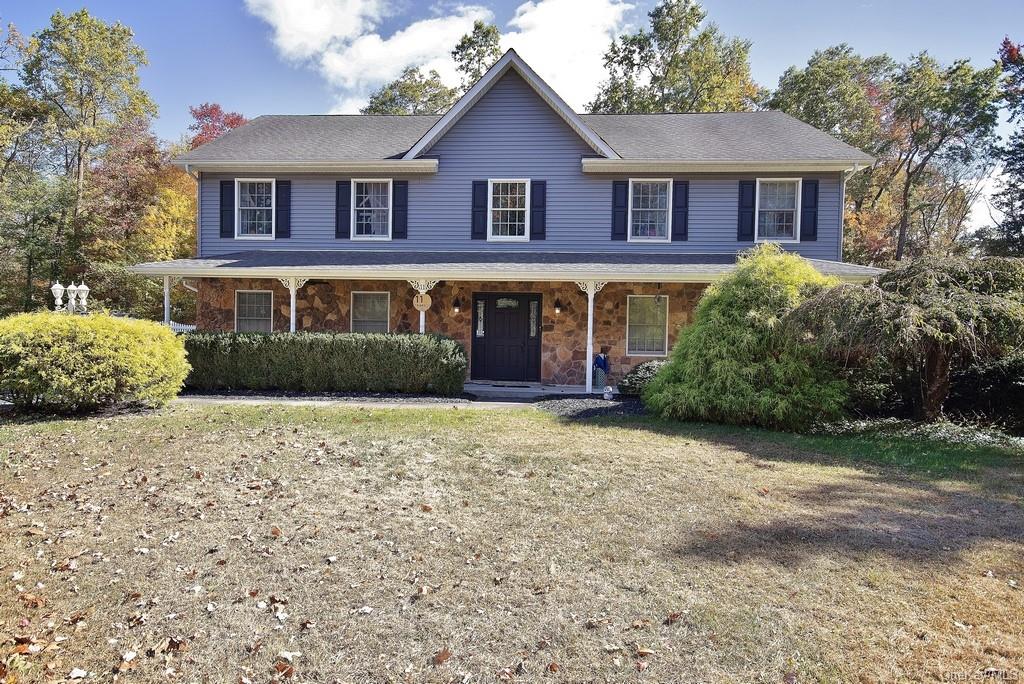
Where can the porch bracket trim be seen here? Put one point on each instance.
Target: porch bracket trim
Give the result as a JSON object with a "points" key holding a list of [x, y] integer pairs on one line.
{"points": [[423, 286], [293, 284], [590, 288]]}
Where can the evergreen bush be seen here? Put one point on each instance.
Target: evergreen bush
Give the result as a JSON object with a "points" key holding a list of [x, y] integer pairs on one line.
{"points": [[639, 376], [735, 365], [326, 362], [67, 363]]}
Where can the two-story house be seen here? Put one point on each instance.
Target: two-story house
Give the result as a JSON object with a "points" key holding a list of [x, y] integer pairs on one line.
{"points": [[540, 235]]}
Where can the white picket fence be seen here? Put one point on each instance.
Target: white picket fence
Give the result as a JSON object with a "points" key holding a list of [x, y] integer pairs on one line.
{"points": [[182, 327]]}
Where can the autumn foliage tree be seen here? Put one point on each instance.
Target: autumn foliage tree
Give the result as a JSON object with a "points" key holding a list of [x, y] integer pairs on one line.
{"points": [[210, 121]]}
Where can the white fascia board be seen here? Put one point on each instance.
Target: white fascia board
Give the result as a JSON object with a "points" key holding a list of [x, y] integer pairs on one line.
{"points": [[510, 60], [360, 166], [595, 165], [479, 274]]}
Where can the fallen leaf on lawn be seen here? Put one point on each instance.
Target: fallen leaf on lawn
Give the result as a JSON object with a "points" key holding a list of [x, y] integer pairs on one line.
{"points": [[643, 651], [365, 610], [32, 600], [673, 618], [553, 667], [284, 669], [289, 655], [426, 508], [641, 665], [77, 673], [441, 657], [275, 531]]}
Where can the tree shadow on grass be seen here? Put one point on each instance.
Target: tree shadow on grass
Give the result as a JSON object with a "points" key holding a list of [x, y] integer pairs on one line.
{"points": [[865, 516], [874, 453]]}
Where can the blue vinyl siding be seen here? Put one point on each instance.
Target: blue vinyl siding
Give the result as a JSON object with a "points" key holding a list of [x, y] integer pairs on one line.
{"points": [[512, 133]]}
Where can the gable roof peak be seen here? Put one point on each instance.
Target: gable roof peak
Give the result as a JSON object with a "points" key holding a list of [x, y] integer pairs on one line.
{"points": [[510, 61]]}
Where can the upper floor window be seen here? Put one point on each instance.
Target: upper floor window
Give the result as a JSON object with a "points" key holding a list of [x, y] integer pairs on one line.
{"points": [[371, 312], [778, 209], [254, 311], [255, 208], [371, 209], [649, 215], [508, 215]]}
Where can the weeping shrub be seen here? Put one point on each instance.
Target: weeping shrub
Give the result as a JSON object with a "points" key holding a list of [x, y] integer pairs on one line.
{"points": [[326, 362], [735, 365], [65, 363]]}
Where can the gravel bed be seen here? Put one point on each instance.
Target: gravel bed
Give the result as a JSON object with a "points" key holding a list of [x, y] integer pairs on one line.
{"points": [[384, 397], [586, 407]]}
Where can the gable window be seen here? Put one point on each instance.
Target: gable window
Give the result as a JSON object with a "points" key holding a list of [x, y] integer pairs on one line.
{"points": [[778, 209], [254, 310], [647, 325], [649, 215], [371, 209], [254, 218], [508, 215], [371, 312]]}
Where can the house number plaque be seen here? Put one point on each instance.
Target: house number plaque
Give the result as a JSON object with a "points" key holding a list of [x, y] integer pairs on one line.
{"points": [[421, 301]]}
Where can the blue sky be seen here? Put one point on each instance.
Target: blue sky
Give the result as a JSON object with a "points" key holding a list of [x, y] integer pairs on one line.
{"points": [[315, 56]]}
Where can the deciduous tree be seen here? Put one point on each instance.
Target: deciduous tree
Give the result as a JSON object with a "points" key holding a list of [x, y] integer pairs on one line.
{"points": [[679, 64], [412, 93], [476, 51], [210, 121]]}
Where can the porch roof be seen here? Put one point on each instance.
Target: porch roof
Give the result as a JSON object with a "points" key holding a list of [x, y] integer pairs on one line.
{"points": [[479, 265]]}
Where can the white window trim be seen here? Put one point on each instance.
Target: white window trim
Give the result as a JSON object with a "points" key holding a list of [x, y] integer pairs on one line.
{"points": [[273, 209], [271, 292], [351, 307], [391, 211], [629, 210], [647, 354], [525, 237], [757, 210]]}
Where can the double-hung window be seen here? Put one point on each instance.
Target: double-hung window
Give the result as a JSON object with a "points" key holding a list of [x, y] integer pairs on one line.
{"points": [[254, 311], [254, 217], [778, 209], [371, 312], [371, 209], [508, 205], [647, 325], [650, 219]]}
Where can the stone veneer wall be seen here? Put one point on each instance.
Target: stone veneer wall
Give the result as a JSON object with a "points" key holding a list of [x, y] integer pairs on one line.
{"points": [[324, 305]]}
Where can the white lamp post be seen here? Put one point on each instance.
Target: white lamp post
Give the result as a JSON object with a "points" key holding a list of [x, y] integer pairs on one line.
{"points": [[78, 296], [57, 290]]}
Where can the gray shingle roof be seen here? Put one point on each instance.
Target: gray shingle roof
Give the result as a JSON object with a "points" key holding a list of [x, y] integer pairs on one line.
{"points": [[717, 137], [486, 265]]}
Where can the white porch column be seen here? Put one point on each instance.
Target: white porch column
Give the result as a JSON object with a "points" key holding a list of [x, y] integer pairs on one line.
{"points": [[591, 287], [292, 284], [423, 286], [167, 300]]}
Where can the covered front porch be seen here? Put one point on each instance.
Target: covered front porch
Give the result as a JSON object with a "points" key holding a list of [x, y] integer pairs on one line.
{"points": [[525, 318]]}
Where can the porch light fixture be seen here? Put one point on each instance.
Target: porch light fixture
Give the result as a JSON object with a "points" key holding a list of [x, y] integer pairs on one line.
{"points": [[558, 306], [456, 305], [78, 296], [57, 290]]}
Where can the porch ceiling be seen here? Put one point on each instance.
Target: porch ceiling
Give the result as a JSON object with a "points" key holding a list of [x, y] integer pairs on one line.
{"points": [[506, 265]]}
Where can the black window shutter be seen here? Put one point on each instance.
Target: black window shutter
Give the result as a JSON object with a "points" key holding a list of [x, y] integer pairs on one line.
{"points": [[809, 211], [400, 210], [227, 208], [745, 229], [343, 210], [680, 210], [479, 225], [538, 209], [283, 209], [620, 209]]}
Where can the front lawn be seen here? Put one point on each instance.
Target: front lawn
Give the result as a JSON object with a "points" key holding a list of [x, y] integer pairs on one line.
{"points": [[321, 544]]}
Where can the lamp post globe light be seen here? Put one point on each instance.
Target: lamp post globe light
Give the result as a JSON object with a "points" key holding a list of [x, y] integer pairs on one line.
{"points": [[78, 296]]}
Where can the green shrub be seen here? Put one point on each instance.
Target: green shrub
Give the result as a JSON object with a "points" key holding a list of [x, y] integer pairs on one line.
{"points": [[58, 362], [734, 365], [639, 376], [326, 362]]}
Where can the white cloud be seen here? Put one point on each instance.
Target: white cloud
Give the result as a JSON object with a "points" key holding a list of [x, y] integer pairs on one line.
{"points": [[563, 40], [303, 28]]}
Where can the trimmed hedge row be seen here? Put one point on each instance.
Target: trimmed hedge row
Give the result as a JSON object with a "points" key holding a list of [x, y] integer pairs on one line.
{"points": [[326, 362], [59, 362]]}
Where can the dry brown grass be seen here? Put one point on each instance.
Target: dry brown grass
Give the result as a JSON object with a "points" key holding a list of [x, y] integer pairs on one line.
{"points": [[427, 546]]}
